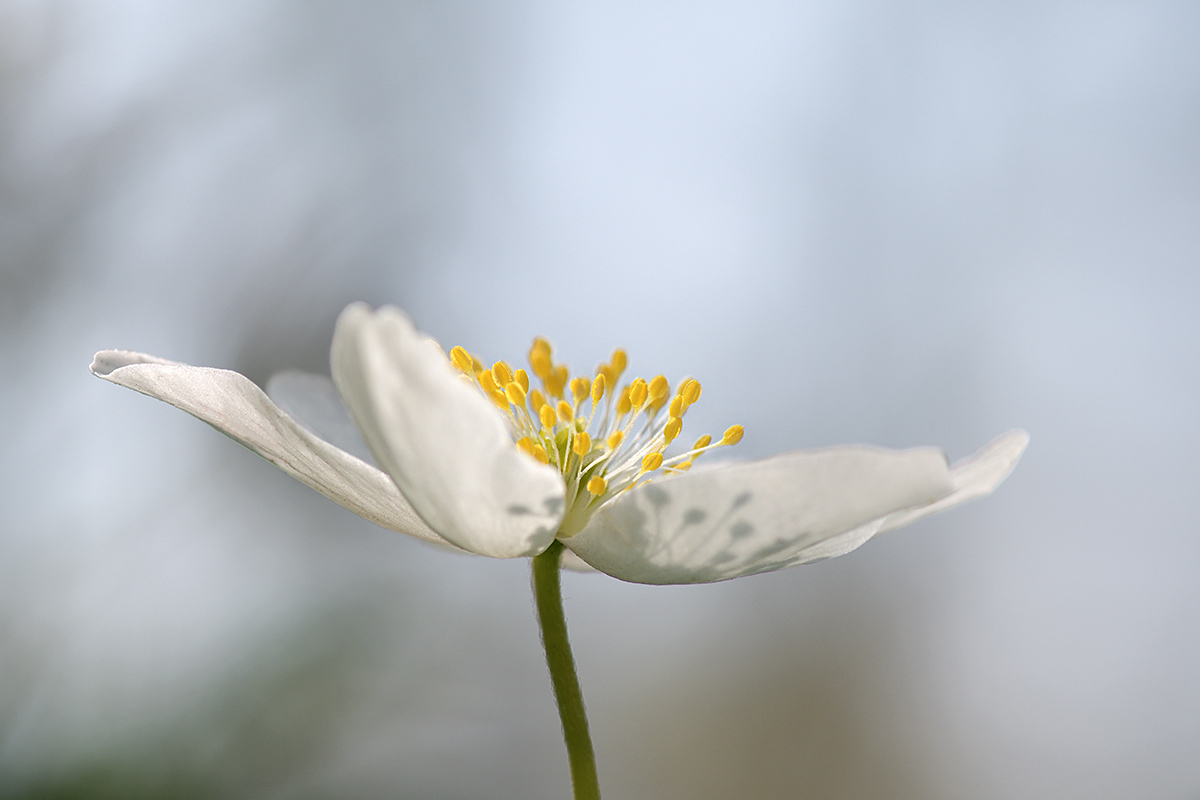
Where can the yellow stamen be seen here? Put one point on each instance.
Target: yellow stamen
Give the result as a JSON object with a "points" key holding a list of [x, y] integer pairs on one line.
{"points": [[522, 377], [691, 391], [502, 373], [580, 388], [598, 388], [733, 435], [597, 485], [637, 393], [556, 380], [541, 364], [678, 407], [618, 361], [515, 394], [652, 462], [623, 402], [703, 441], [672, 429], [537, 400], [583, 444], [462, 359], [546, 415], [614, 441], [539, 453], [659, 387], [609, 374], [525, 444], [565, 412]]}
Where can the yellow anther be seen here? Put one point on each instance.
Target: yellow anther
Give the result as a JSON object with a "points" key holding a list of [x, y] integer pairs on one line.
{"points": [[637, 393], [659, 387], [583, 444], [541, 364], [539, 453], [515, 394], [460, 358], [476, 365], [546, 415], [652, 462], [691, 391], [674, 426], [597, 485], [678, 407], [556, 380], [537, 400], [598, 388], [565, 412], [525, 444], [685, 466], [522, 377], [614, 441], [502, 373], [733, 435], [580, 388], [488, 382], [623, 402], [540, 345], [703, 441], [619, 360], [500, 399]]}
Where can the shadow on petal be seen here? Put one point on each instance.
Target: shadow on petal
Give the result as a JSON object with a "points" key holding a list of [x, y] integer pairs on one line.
{"points": [[741, 519]]}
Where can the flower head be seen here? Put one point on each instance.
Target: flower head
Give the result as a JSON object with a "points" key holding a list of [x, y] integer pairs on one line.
{"points": [[499, 463], [602, 439]]}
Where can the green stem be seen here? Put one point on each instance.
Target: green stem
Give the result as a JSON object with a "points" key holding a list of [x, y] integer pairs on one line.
{"points": [[547, 593]]}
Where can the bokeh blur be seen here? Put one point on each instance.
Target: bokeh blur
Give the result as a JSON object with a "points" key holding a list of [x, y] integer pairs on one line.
{"points": [[899, 223]]}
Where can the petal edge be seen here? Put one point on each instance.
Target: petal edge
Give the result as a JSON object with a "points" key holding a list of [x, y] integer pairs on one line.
{"points": [[238, 408], [442, 443]]}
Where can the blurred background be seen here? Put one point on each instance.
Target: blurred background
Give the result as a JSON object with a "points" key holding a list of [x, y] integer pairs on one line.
{"points": [[899, 223]]}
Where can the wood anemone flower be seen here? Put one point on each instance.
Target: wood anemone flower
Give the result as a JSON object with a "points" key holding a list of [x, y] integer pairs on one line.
{"points": [[478, 458]]}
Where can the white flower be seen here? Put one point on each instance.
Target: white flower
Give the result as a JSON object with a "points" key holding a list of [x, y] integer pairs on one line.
{"points": [[476, 459]]}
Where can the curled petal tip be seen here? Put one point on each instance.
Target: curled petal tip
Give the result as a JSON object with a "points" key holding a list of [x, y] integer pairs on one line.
{"points": [[105, 362], [994, 461]]}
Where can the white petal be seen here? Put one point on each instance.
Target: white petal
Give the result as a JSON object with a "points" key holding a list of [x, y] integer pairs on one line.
{"points": [[443, 443], [232, 404], [974, 476], [574, 563], [740, 519], [314, 402]]}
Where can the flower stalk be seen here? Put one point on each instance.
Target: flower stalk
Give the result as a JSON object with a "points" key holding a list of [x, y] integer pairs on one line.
{"points": [[547, 592]]}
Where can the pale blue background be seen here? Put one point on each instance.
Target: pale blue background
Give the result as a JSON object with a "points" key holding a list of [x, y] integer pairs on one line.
{"points": [[901, 223]]}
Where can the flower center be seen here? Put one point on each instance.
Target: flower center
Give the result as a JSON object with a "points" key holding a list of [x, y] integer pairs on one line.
{"points": [[603, 440]]}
